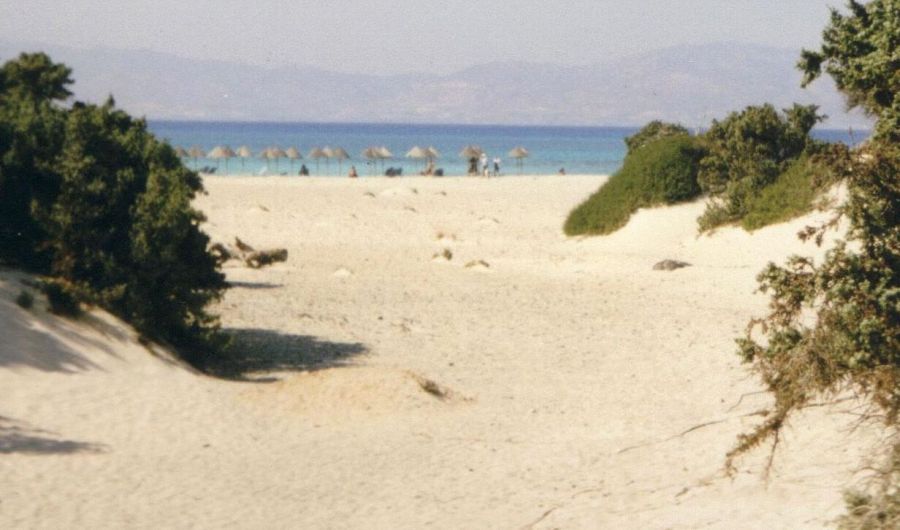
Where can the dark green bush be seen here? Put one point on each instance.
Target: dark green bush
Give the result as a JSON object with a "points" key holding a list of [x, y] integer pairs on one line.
{"points": [[89, 196], [61, 298], [852, 343], [747, 151], [791, 195], [859, 51], [25, 300], [654, 131], [663, 171]]}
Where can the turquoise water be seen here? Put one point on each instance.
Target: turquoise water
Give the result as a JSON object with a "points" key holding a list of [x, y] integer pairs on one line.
{"points": [[588, 150]]}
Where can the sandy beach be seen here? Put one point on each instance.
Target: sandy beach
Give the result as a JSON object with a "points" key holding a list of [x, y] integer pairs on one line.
{"points": [[435, 353]]}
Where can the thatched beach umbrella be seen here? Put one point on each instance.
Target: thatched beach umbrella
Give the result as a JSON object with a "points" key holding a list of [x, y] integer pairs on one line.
{"points": [[219, 152], [196, 152], [432, 153], [276, 153], [340, 154], [471, 153], [327, 154], [316, 153], [245, 153], [371, 154], [293, 154], [417, 153], [519, 153], [384, 154]]}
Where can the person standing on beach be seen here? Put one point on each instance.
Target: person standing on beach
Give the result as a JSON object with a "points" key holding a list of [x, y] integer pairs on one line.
{"points": [[484, 165], [497, 166]]}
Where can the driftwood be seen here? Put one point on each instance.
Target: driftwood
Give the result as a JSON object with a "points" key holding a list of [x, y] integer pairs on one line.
{"points": [[243, 247], [250, 256], [261, 258], [220, 252]]}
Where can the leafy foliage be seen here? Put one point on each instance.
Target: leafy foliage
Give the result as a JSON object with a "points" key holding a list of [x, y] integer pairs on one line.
{"points": [[89, 196], [859, 51], [853, 341], [791, 194], [663, 171], [653, 131], [747, 151]]}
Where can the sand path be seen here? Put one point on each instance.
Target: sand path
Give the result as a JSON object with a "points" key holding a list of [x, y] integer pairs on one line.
{"points": [[580, 388]]}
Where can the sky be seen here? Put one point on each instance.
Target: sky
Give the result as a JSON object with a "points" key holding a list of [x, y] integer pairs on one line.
{"points": [[405, 36]]}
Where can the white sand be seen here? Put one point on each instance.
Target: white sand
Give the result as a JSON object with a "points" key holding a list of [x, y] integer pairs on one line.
{"points": [[572, 371]]}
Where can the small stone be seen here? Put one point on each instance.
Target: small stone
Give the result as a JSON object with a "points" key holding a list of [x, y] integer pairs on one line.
{"points": [[670, 265]]}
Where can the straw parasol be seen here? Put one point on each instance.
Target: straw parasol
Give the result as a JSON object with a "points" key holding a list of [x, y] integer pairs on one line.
{"points": [[340, 154], [432, 153], [519, 153], [219, 152], [470, 151], [316, 153], [417, 153], [293, 154], [384, 154], [327, 154], [245, 153], [371, 154], [195, 152], [276, 153]]}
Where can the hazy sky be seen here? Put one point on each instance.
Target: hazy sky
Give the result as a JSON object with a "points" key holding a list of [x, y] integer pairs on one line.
{"points": [[394, 36]]}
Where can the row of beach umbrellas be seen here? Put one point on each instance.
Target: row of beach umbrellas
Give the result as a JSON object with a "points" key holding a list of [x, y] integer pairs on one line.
{"points": [[372, 153]]}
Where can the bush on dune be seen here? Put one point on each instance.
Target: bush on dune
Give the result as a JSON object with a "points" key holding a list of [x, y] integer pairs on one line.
{"points": [[852, 343], [791, 195], [663, 171], [654, 131], [89, 196], [747, 151]]}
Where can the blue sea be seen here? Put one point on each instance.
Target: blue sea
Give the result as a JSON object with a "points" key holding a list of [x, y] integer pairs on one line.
{"points": [[577, 150]]}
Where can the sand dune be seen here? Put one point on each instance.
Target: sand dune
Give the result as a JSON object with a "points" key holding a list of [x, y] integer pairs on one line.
{"points": [[556, 383]]}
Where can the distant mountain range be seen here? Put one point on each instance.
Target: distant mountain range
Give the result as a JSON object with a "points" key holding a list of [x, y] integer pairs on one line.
{"points": [[686, 84]]}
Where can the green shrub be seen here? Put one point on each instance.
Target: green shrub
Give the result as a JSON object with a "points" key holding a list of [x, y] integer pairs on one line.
{"points": [[661, 172], [859, 51], [791, 195], [852, 342], [654, 131], [89, 196], [25, 300], [61, 299], [747, 151]]}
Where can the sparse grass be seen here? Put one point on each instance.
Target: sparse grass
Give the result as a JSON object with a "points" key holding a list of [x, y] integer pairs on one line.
{"points": [[661, 172]]}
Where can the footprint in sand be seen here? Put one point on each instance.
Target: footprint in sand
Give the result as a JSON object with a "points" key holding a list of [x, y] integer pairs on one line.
{"points": [[443, 237], [399, 191]]}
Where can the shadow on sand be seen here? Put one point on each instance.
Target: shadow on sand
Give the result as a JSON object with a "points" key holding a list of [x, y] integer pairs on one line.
{"points": [[254, 354], [254, 285], [35, 339], [18, 437]]}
